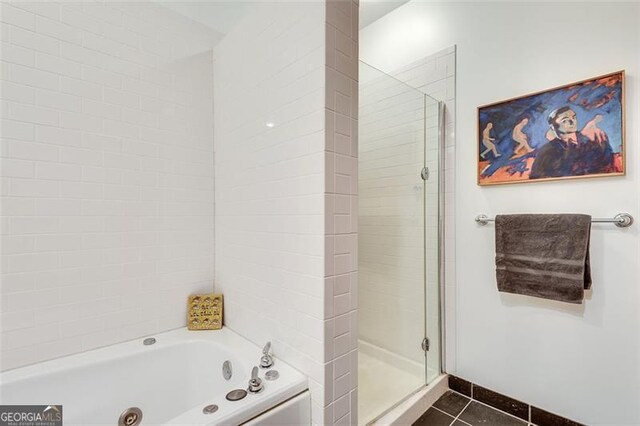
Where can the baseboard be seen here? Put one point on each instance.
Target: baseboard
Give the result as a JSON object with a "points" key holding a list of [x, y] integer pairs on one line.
{"points": [[522, 410]]}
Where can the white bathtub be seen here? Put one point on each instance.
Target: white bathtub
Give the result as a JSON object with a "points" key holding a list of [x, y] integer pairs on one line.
{"points": [[171, 381]]}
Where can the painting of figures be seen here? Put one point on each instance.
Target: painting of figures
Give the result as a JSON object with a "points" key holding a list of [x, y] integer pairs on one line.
{"points": [[572, 131]]}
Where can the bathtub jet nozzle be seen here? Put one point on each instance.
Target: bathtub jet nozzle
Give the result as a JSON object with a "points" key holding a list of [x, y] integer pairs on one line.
{"points": [[130, 417]]}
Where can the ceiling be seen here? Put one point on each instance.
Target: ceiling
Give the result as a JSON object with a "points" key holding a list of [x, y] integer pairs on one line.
{"points": [[372, 10], [222, 16]]}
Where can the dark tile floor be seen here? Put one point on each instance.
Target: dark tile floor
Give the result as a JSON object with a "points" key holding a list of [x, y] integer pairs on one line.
{"points": [[455, 409]]}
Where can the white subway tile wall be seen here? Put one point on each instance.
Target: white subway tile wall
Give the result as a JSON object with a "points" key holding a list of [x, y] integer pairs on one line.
{"points": [[341, 217], [392, 152], [435, 75], [269, 132], [107, 174]]}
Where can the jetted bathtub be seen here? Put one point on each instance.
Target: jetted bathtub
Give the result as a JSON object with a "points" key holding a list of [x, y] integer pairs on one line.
{"points": [[170, 381]]}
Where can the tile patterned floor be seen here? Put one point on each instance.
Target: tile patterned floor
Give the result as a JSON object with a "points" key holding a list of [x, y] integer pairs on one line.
{"points": [[454, 409]]}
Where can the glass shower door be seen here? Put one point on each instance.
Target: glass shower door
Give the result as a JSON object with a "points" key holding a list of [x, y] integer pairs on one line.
{"points": [[433, 235], [393, 225]]}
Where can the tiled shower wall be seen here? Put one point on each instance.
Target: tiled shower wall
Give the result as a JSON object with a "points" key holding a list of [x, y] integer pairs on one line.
{"points": [[341, 215], [435, 75], [107, 167], [391, 213]]}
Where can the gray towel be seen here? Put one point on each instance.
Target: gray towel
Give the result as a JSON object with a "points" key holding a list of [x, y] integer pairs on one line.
{"points": [[544, 255]]}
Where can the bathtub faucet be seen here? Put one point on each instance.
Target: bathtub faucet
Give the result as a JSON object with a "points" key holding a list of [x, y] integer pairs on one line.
{"points": [[267, 360], [255, 384]]}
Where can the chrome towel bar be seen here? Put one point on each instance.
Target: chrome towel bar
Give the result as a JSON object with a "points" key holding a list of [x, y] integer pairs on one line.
{"points": [[621, 220]]}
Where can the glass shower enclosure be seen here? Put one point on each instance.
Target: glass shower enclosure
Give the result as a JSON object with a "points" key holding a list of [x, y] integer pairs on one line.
{"points": [[398, 242]]}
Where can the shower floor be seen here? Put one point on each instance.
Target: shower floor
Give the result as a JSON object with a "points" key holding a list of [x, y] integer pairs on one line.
{"points": [[384, 379]]}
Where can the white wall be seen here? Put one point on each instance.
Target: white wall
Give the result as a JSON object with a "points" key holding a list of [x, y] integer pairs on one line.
{"points": [[269, 71], [108, 180], [578, 361], [286, 131], [107, 174]]}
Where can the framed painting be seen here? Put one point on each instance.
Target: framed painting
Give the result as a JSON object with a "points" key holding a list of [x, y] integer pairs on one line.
{"points": [[571, 131]]}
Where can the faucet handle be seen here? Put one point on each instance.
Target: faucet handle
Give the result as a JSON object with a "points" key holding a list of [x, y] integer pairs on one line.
{"points": [[255, 384], [266, 360]]}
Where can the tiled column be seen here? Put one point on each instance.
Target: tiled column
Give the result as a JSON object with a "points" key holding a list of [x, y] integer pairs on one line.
{"points": [[341, 215]]}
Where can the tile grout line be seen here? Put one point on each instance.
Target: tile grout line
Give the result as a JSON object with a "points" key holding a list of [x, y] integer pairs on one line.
{"points": [[489, 406], [529, 419], [453, 419], [504, 412], [462, 411]]}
